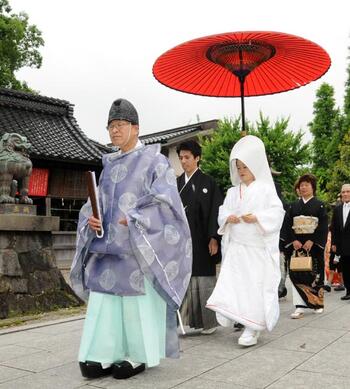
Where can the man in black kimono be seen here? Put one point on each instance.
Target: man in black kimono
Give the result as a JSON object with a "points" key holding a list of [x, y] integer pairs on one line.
{"points": [[341, 236], [201, 198]]}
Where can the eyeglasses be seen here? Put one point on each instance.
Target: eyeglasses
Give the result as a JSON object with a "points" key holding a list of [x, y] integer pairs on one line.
{"points": [[117, 126]]}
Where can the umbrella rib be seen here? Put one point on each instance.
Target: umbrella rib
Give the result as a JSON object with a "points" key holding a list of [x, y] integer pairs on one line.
{"points": [[296, 62]]}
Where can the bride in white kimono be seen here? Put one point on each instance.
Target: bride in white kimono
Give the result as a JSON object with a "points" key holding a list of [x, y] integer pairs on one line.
{"points": [[250, 220]]}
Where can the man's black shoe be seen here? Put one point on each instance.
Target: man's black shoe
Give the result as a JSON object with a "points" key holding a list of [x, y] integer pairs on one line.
{"points": [[346, 297], [282, 293], [123, 370], [327, 288], [90, 369], [238, 326]]}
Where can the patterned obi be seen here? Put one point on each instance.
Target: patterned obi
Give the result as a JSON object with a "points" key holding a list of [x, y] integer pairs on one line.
{"points": [[304, 224]]}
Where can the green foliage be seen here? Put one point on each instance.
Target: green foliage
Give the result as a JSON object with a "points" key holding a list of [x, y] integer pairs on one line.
{"points": [[284, 148], [216, 151], [347, 100], [19, 44], [328, 130], [341, 171]]}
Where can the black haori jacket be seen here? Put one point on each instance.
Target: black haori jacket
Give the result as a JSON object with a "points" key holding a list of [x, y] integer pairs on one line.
{"points": [[201, 198]]}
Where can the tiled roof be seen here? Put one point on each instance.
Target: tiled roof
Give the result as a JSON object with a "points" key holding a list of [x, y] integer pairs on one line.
{"points": [[175, 133], [103, 148], [49, 126]]}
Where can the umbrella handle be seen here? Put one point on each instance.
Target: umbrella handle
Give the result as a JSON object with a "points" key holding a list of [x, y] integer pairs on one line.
{"points": [[241, 82]]}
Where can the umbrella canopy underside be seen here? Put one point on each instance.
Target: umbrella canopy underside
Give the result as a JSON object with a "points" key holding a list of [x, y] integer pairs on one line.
{"points": [[269, 62]]}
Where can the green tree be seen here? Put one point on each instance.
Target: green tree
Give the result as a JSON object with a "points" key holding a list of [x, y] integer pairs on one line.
{"points": [[346, 107], [216, 151], [284, 148], [327, 131], [19, 44], [286, 151], [341, 170]]}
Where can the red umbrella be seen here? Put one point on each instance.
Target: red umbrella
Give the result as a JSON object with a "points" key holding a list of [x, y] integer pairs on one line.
{"points": [[249, 63]]}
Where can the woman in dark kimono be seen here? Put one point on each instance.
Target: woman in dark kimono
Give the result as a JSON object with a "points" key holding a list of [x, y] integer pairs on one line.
{"points": [[307, 286], [201, 198]]}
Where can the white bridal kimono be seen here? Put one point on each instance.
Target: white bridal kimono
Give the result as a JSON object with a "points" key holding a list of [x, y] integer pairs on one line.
{"points": [[247, 287]]}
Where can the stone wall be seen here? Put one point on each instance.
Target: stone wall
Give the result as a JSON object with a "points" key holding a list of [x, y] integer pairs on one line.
{"points": [[29, 278]]}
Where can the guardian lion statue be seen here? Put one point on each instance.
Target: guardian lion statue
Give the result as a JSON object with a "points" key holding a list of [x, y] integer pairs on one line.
{"points": [[15, 168]]}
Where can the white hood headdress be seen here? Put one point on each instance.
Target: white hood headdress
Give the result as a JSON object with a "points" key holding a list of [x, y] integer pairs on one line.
{"points": [[251, 151]]}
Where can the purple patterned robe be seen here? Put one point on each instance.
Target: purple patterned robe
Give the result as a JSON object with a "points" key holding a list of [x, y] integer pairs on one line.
{"points": [[140, 186]]}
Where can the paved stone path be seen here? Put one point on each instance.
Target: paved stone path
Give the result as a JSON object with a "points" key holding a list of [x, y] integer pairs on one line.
{"points": [[313, 352]]}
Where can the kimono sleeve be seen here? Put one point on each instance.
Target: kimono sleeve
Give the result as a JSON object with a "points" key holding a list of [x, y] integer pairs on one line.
{"points": [[85, 235], [289, 233], [284, 231], [226, 210], [84, 238], [321, 232], [160, 236], [270, 217], [216, 202]]}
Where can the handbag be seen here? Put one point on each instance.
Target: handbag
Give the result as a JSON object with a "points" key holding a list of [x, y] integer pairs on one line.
{"points": [[300, 261]]}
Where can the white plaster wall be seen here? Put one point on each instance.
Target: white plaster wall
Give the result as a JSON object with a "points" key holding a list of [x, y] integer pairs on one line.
{"points": [[174, 160]]}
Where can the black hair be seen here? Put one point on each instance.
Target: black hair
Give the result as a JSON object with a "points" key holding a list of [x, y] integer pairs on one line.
{"points": [[310, 178], [192, 146]]}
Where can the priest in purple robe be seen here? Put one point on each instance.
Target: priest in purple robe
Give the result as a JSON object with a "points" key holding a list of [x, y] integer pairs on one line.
{"points": [[133, 265]]}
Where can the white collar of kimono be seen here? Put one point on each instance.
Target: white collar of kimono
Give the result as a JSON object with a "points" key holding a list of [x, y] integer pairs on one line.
{"points": [[251, 151], [187, 178], [306, 200], [243, 188]]}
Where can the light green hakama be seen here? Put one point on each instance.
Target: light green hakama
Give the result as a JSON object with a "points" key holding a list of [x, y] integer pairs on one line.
{"points": [[130, 327]]}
